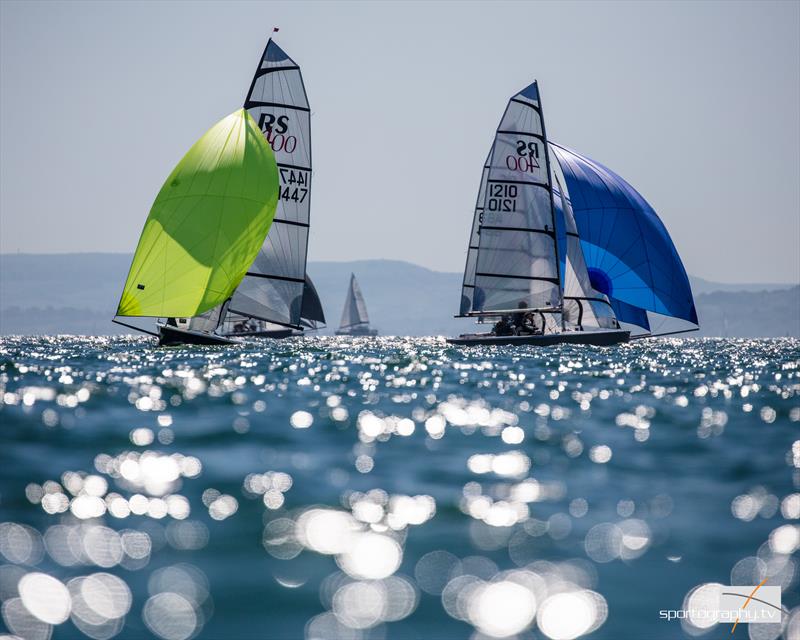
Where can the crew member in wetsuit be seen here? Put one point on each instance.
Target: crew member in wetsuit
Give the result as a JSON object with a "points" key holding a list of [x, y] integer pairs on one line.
{"points": [[519, 320], [503, 327]]}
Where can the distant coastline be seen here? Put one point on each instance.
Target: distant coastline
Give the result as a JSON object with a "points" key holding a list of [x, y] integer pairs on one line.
{"points": [[76, 293]]}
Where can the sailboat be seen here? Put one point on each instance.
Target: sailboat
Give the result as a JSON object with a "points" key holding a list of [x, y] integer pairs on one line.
{"points": [[355, 320], [203, 232], [276, 297], [565, 252]]}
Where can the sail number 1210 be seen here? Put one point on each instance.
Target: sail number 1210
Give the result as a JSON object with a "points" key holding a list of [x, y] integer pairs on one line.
{"points": [[502, 197]]}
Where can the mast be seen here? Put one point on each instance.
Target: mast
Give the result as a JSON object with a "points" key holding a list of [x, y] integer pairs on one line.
{"points": [[516, 263], [552, 204], [274, 286]]}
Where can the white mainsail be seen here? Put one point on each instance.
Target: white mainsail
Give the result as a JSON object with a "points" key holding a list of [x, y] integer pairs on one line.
{"points": [[515, 264], [273, 289], [354, 313]]}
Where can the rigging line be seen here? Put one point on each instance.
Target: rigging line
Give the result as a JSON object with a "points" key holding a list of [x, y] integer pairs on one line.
{"points": [[130, 326], [660, 335]]}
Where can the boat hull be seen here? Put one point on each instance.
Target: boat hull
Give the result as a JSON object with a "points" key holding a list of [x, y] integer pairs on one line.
{"points": [[595, 338], [172, 336], [358, 332], [276, 334]]}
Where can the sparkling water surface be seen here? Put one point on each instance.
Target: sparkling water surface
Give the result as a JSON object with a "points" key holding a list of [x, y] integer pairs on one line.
{"points": [[394, 488]]}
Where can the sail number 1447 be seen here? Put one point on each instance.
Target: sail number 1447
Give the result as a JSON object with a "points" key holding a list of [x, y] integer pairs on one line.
{"points": [[294, 185]]}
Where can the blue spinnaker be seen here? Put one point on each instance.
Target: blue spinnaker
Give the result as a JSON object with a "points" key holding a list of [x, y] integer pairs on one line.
{"points": [[629, 314], [629, 253]]}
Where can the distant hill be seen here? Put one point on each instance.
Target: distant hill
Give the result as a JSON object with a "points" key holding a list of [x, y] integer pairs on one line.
{"points": [[77, 293], [767, 314], [700, 286]]}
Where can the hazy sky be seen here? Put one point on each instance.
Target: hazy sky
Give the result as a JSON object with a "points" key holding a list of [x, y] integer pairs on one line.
{"points": [[696, 104]]}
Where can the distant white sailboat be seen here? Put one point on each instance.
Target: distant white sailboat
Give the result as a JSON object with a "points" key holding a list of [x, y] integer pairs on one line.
{"points": [[355, 320]]}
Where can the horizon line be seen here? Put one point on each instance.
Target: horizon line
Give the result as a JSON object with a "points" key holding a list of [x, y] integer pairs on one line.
{"points": [[311, 260]]}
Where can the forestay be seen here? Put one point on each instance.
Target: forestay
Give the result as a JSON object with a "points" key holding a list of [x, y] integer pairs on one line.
{"points": [[515, 263], [273, 288], [355, 310]]}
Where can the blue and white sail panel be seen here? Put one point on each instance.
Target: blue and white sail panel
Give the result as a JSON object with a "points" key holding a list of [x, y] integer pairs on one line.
{"points": [[516, 266], [630, 315], [583, 307], [629, 254], [273, 288]]}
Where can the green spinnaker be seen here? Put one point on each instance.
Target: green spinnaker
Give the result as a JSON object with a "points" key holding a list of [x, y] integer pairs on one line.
{"points": [[206, 225]]}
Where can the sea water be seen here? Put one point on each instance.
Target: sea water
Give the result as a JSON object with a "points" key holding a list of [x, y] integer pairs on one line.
{"points": [[395, 488]]}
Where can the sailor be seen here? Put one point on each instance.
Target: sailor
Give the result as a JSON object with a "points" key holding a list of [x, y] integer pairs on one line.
{"points": [[518, 319], [503, 327]]}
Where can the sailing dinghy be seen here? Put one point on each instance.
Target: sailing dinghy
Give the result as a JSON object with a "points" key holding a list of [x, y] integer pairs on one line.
{"points": [[355, 320], [276, 298], [566, 252], [203, 232]]}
